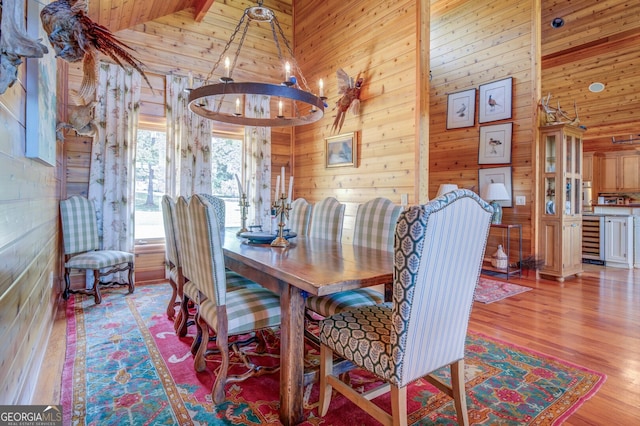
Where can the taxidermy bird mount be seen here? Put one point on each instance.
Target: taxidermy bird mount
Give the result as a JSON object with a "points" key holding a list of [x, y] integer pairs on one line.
{"points": [[75, 37], [349, 99]]}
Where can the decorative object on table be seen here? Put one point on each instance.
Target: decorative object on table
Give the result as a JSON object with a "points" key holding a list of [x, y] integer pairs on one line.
{"points": [[282, 205], [495, 192], [499, 259], [261, 237], [341, 150], [15, 43], [349, 99], [290, 97], [244, 205], [551, 115], [461, 109], [446, 187], [495, 144], [495, 100], [489, 291], [75, 37]]}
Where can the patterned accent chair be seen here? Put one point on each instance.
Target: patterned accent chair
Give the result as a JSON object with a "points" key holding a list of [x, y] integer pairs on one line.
{"points": [[300, 216], [227, 313], [82, 248], [439, 249], [172, 263], [374, 228], [327, 219]]}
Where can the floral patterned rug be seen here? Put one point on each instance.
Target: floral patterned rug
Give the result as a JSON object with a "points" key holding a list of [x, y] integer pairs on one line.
{"points": [[125, 365], [489, 291]]}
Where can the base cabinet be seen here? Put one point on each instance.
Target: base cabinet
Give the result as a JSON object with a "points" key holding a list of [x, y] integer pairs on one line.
{"points": [[561, 245], [618, 241]]}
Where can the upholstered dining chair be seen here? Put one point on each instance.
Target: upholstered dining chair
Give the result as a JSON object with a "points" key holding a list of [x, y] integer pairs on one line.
{"points": [[173, 266], [300, 216], [227, 313], [82, 249], [327, 219], [439, 249], [375, 226]]}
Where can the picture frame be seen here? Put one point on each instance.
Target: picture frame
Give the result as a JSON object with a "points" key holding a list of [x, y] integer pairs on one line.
{"points": [[495, 100], [495, 144], [341, 150], [496, 174], [461, 109]]}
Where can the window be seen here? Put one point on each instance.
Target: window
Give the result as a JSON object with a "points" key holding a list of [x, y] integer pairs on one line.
{"points": [[226, 163], [150, 184]]}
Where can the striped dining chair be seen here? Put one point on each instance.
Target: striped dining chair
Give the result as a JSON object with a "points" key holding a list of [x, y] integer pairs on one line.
{"points": [[172, 262], [300, 216], [374, 228], [327, 219], [439, 248]]}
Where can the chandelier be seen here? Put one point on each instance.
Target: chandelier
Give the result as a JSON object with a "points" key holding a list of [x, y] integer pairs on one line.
{"points": [[223, 101]]}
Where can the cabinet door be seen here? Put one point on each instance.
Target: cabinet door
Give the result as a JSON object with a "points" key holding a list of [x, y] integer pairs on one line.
{"points": [[587, 166], [629, 172], [616, 239], [609, 173], [571, 247], [550, 247]]}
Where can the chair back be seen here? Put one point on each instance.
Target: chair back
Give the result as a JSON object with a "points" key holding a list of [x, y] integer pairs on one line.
{"points": [[376, 224], [79, 225], [207, 255], [172, 255], [300, 216], [327, 219], [439, 248], [183, 236], [219, 207]]}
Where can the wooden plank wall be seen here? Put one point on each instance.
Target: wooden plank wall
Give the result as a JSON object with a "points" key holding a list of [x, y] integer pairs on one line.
{"points": [[29, 251], [474, 43]]}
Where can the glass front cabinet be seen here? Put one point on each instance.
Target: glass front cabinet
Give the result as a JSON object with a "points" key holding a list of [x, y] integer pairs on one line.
{"points": [[560, 230]]}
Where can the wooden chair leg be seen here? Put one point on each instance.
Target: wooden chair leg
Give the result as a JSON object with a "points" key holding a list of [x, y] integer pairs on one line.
{"points": [[67, 284], [326, 368], [132, 284], [218, 394], [399, 405], [97, 297], [459, 395], [181, 321], [171, 306], [199, 362]]}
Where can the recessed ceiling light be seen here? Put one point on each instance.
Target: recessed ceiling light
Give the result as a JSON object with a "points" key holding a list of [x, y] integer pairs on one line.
{"points": [[557, 22], [596, 87]]}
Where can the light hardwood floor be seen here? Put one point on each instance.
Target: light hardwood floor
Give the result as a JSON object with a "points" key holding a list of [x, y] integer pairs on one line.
{"points": [[592, 321]]}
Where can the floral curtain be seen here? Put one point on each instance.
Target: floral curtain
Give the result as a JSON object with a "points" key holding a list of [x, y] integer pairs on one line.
{"points": [[111, 180], [257, 162], [188, 143]]}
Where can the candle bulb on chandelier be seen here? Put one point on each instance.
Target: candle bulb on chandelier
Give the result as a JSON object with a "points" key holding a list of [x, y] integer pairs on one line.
{"points": [[321, 86], [287, 71], [227, 66], [237, 106], [280, 110]]}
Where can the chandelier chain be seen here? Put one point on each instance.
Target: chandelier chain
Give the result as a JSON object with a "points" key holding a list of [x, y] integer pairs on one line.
{"points": [[226, 47]]}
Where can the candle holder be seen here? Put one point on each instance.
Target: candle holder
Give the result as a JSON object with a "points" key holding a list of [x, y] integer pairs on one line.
{"points": [[282, 210], [244, 207]]}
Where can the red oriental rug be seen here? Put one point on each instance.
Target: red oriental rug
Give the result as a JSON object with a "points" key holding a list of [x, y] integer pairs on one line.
{"points": [[125, 365], [489, 291]]}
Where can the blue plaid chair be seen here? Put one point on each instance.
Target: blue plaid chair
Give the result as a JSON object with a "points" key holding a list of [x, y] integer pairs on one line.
{"points": [[82, 249], [374, 228], [300, 216], [327, 219], [227, 313], [439, 249]]}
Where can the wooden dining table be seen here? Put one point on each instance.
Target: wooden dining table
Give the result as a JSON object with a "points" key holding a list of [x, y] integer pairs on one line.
{"points": [[308, 266]]}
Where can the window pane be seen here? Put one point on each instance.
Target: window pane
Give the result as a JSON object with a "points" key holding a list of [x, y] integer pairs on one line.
{"points": [[226, 163], [150, 183]]}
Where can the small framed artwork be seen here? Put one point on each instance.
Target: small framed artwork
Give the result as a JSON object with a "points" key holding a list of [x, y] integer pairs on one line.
{"points": [[495, 100], [495, 144], [461, 109], [496, 175], [342, 150]]}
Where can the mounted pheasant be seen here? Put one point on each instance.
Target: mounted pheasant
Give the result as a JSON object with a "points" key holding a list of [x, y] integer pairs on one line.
{"points": [[75, 37], [350, 99]]}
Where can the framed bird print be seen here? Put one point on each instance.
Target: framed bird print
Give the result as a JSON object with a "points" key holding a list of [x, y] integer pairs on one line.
{"points": [[461, 109], [342, 150], [495, 100], [495, 144]]}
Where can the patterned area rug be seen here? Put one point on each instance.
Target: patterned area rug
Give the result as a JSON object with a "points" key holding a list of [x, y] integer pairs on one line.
{"points": [[124, 365], [489, 291]]}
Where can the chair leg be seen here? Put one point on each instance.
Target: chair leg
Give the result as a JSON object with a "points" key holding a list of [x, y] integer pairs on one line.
{"points": [[459, 397], [199, 362], [97, 297], [222, 340], [132, 284], [171, 307], [399, 405], [67, 283], [326, 368]]}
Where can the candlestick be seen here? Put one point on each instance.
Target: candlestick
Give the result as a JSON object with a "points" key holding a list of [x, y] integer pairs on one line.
{"points": [[240, 191], [282, 210], [244, 207], [275, 196], [282, 183]]}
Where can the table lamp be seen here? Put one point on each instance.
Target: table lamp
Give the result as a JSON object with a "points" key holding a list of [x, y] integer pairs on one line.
{"points": [[494, 192], [446, 187]]}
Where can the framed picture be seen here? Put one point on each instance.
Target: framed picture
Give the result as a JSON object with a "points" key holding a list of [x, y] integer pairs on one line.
{"points": [[495, 100], [495, 144], [493, 175], [461, 109], [342, 150]]}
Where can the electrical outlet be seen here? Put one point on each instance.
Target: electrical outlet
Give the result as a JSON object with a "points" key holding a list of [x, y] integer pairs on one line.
{"points": [[521, 200], [404, 199]]}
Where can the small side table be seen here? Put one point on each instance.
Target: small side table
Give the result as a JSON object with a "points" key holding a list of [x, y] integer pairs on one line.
{"points": [[490, 269]]}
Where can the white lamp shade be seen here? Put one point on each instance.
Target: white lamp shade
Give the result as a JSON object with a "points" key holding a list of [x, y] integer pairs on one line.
{"points": [[496, 192], [446, 187]]}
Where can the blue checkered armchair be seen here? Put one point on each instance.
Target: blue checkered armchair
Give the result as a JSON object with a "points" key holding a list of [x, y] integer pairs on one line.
{"points": [[439, 249], [300, 216], [226, 312], [327, 219], [82, 249]]}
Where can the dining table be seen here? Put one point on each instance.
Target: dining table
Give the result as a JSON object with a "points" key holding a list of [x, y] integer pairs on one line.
{"points": [[308, 266]]}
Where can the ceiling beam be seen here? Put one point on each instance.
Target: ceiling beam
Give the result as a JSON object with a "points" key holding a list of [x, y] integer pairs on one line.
{"points": [[202, 7]]}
